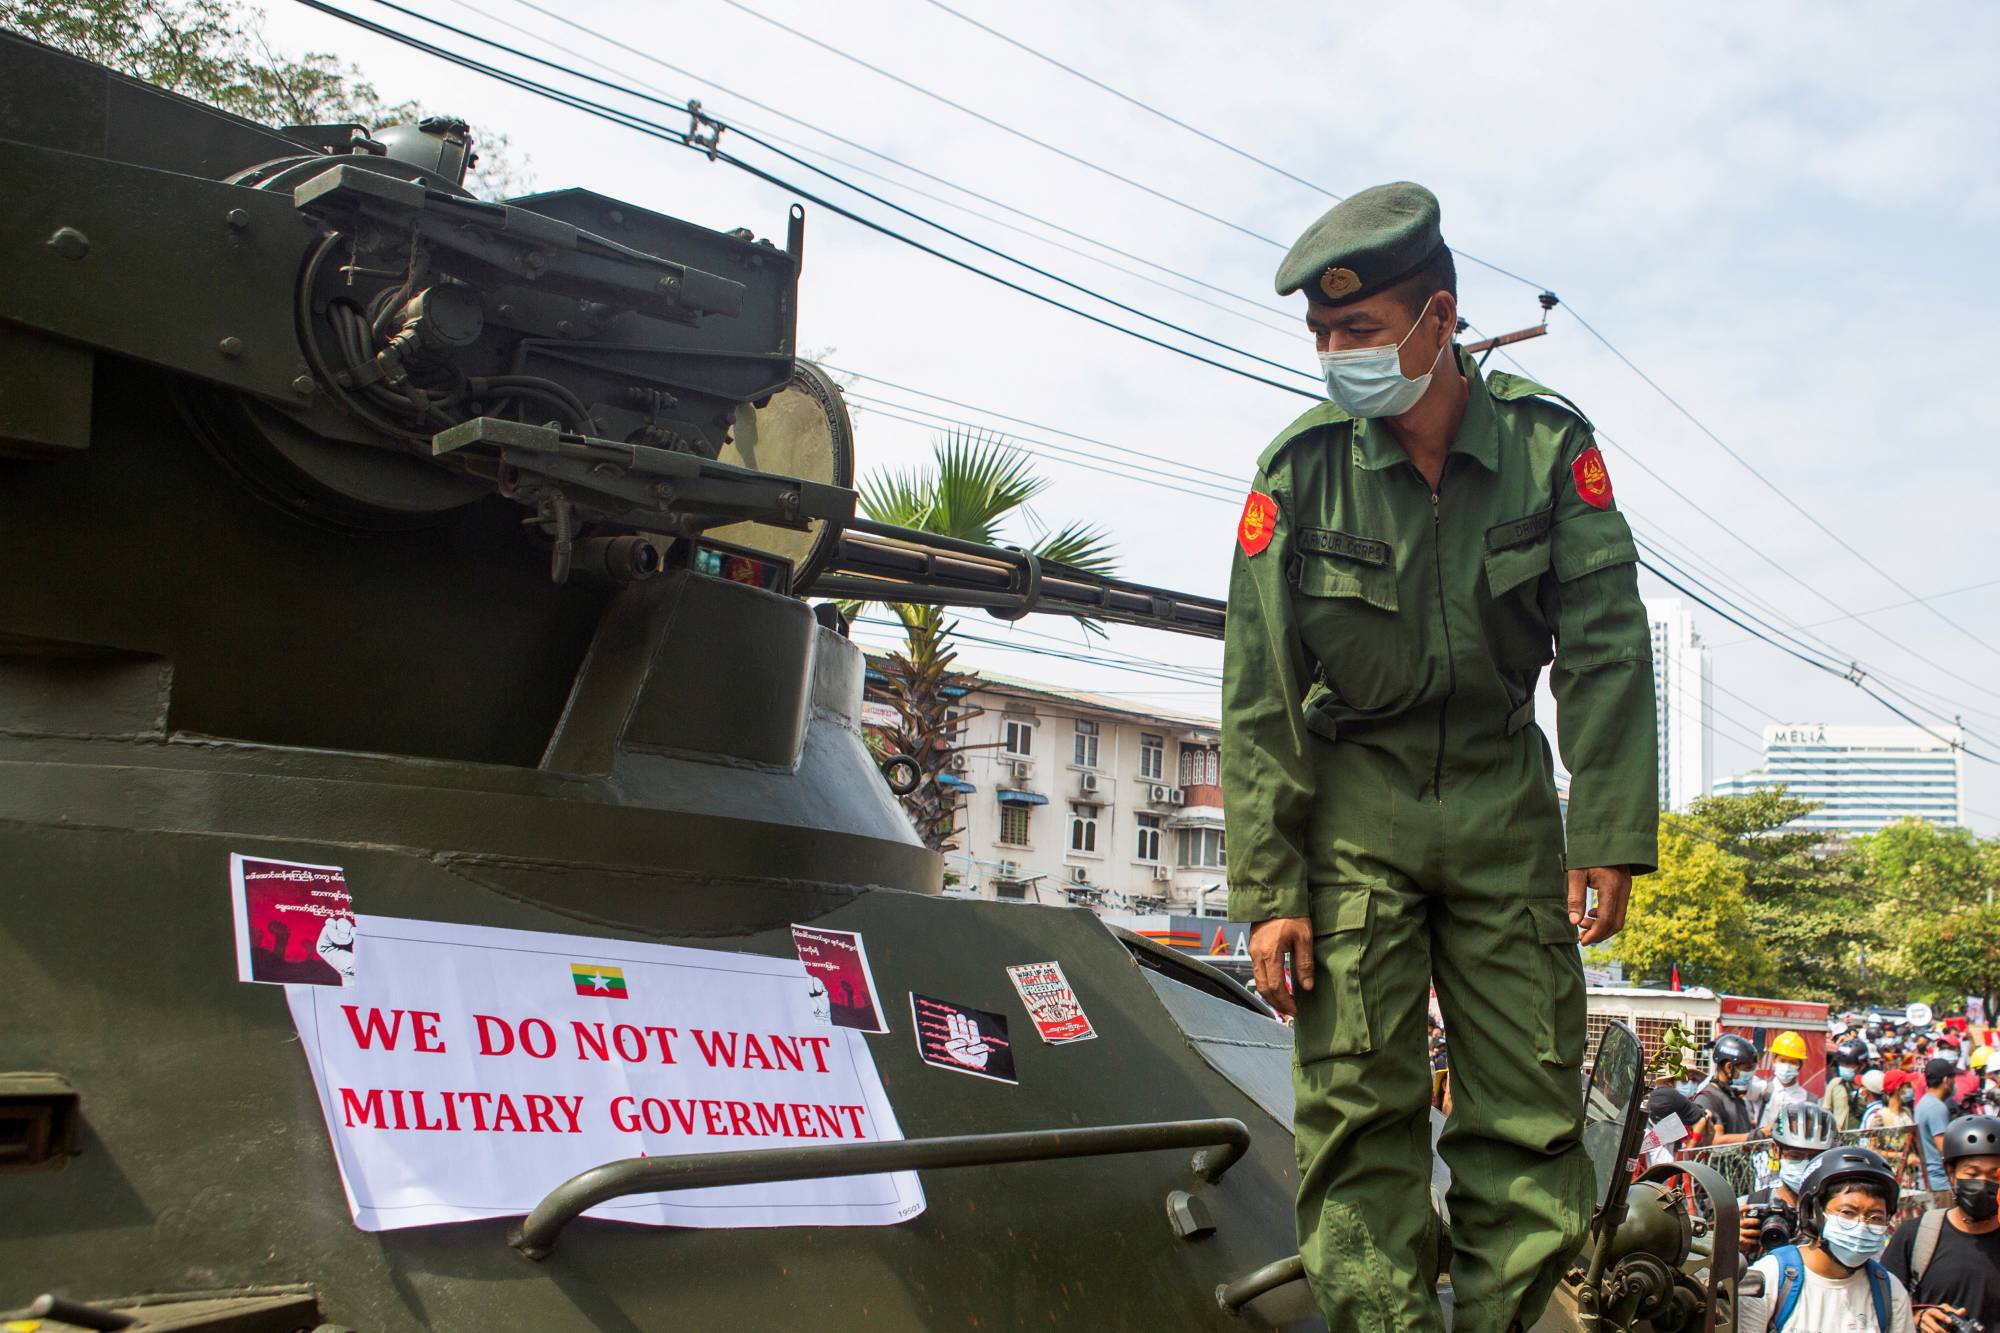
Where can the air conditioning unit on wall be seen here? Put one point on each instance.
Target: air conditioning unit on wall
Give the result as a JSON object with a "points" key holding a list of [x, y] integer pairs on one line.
{"points": [[1161, 874], [1159, 794], [1176, 796], [960, 762], [1086, 783]]}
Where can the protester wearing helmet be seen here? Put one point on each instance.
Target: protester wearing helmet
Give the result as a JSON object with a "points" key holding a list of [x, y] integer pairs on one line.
{"points": [[1788, 1056], [1734, 1062], [1950, 1257], [1834, 1280], [1842, 1100], [1800, 1134]]}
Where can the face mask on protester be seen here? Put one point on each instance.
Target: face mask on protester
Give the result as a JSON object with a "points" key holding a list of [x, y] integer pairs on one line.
{"points": [[1977, 1199], [1853, 1243], [1369, 381], [1848, 1072], [1785, 1072], [1741, 1082], [1792, 1173]]}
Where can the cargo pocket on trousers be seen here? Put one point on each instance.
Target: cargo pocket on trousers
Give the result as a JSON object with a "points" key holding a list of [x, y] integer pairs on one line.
{"points": [[1560, 1006], [1336, 1020]]}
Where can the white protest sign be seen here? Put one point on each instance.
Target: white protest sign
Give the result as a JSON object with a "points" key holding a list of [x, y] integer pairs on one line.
{"points": [[467, 1071], [1918, 1015]]}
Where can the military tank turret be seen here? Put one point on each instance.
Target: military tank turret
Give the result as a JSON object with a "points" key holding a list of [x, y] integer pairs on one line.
{"points": [[408, 602]]}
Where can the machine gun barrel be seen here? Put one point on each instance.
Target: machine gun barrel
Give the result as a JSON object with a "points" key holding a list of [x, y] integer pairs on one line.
{"points": [[877, 562]]}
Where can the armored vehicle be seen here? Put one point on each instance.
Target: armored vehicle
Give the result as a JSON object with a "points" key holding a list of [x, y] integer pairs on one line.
{"points": [[437, 571]]}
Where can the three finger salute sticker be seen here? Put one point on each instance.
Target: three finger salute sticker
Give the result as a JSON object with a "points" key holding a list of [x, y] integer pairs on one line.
{"points": [[962, 1039], [1260, 518], [1593, 483]]}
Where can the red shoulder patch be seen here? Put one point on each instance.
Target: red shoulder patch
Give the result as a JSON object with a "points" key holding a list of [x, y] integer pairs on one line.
{"points": [[1593, 483], [1260, 519]]}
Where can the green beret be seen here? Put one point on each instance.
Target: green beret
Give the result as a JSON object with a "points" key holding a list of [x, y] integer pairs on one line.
{"points": [[1364, 243]]}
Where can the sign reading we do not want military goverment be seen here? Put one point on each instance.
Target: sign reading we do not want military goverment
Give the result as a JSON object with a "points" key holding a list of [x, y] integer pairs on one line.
{"points": [[465, 1071]]}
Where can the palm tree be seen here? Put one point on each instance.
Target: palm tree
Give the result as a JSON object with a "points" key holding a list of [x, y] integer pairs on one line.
{"points": [[972, 485]]}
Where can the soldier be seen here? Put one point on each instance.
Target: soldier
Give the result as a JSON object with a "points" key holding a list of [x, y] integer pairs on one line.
{"points": [[1411, 555]]}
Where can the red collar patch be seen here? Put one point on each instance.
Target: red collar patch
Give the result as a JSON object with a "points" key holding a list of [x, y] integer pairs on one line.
{"points": [[1593, 483], [1260, 519]]}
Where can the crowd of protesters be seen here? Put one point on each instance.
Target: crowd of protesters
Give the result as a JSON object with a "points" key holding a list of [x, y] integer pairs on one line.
{"points": [[1877, 1203]]}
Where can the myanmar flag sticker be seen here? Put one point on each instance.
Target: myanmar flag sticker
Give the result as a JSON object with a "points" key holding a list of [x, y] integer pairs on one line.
{"points": [[593, 979]]}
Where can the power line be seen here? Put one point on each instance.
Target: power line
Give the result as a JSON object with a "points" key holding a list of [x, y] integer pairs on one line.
{"points": [[1625, 451], [1230, 478], [1198, 132], [1789, 651], [1014, 444], [858, 146], [1588, 327], [653, 129], [799, 146], [1004, 127], [1772, 486]]}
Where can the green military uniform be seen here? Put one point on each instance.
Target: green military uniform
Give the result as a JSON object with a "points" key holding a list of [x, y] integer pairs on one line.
{"points": [[1385, 777]]}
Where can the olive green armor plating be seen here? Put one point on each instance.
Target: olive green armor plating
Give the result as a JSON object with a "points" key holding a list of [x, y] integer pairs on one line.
{"points": [[349, 520]]}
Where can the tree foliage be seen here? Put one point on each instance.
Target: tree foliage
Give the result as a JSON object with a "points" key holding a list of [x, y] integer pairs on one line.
{"points": [[1694, 914], [973, 488], [1935, 889], [216, 51], [1810, 904]]}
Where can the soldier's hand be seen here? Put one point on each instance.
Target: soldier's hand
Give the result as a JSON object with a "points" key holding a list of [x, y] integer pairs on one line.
{"points": [[1272, 941], [1614, 886]]}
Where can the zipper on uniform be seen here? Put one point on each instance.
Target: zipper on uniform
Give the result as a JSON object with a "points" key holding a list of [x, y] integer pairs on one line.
{"points": [[1444, 618]]}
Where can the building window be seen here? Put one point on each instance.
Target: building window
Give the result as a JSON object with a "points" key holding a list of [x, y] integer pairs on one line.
{"points": [[1014, 825], [1149, 838], [1200, 766], [1018, 739], [1152, 757], [1086, 744], [1203, 847], [1012, 889], [1083, 828]]}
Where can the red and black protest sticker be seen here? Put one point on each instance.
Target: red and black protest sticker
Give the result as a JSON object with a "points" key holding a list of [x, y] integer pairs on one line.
{"points": [[1051, 1003], [962, 1039], [294, 922], [840, 982]]}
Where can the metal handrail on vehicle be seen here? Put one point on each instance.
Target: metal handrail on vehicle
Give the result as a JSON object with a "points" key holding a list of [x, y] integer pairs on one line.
{"points": [[1233, 1296], [1222, 1143]]}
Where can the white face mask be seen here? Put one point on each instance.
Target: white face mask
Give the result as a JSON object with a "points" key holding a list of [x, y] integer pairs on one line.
{"points": [[1785, 1072], [1369, 381]]}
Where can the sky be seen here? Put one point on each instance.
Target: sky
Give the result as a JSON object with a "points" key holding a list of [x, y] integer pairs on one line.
{"points": [[1779, 213]]}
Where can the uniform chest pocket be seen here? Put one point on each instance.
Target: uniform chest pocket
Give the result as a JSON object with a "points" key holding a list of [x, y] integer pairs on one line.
{"points": [[1347, 608], [1517, 555]]}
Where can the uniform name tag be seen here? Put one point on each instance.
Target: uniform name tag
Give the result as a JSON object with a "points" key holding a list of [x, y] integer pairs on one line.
{"points": [[1521, 530], [1325, 541]]}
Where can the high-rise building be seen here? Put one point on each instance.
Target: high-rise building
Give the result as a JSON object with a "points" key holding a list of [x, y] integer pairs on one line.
{"points": [[1686, 706], [1864, 777]]}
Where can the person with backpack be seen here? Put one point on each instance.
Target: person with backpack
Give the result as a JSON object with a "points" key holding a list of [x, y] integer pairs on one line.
{"points": [[1802, 1132], [1949, 1258], [1833, 1283], [1733, 1060], [1843, 1099]]}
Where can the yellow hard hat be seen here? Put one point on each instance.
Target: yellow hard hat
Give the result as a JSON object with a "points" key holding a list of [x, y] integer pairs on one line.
{"points": [[1982, 1057], [1789, 1046]]}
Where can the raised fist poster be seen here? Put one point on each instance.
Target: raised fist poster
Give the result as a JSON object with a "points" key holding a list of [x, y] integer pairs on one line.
{"points": [[838, 977], [962, 1039], [294, 922]]}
